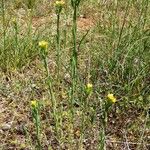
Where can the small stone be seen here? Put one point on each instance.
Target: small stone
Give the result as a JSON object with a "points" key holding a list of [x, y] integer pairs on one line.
{"points": [[67, 77], [6, 126], [1, 131]]}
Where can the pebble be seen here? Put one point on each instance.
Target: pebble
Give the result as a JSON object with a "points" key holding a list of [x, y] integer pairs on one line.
{"points": [[6, 126]]}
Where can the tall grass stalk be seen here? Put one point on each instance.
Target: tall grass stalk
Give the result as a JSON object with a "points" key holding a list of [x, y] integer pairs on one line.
{"points": [[58, 46], [17, 50], [29, 32], [4, 52], [123, 23]]}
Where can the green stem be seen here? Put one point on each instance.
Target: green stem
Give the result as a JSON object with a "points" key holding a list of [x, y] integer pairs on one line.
{"points": [[103, 126], [36, 117], [75, 39], [51, 93], [58, 47], [74, 58], [37, 122], [102, 145]]}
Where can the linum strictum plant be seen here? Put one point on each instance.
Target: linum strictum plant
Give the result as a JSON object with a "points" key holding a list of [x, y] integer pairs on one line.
{"points": [[75, 5], [43, 52], [88, 92], [106, 106], [36, 119], [74, 60], [59, 6]]}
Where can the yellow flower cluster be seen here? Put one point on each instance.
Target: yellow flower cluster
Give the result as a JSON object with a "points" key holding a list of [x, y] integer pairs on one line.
{"points": [[34, 103], [111, 98], [43, 44], [59, 3]]}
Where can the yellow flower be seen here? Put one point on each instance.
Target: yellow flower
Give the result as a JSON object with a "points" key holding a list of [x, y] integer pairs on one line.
{"points": [[14, 21], [43, 44], [63, 95], [89, 88], [111, 98], [60, 3], [34, 103]]}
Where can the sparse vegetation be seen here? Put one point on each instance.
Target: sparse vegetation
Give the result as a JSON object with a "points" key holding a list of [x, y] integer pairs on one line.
{"points": [[74, 74]]}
